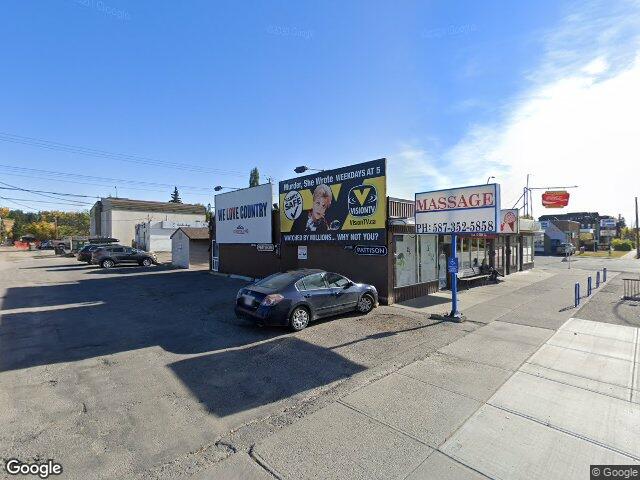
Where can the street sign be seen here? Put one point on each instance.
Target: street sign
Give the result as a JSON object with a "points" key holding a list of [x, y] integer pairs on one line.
{"points": [[452, 265]]}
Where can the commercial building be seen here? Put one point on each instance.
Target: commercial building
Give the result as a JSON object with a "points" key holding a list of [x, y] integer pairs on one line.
{"points": [[557, 232], [190, 247], [156, 236], [596, 231], [385, 250], [117, 217]]}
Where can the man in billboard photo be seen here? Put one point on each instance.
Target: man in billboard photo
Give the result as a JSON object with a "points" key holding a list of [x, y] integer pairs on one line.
{"points": [[314, 220]]}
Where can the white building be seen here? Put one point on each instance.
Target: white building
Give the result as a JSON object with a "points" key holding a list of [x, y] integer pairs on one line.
{"points": [[190, 247], [156, 236], [117, 217]]}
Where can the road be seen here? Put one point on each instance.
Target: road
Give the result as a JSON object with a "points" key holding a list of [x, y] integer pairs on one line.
{"points": [[143, 373]]}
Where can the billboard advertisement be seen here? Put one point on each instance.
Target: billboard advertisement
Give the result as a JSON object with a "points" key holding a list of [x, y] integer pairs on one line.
{"points": [[509, 222], [608, 223], [472, 209], [244, 216], [556, 199], [347, 205]]}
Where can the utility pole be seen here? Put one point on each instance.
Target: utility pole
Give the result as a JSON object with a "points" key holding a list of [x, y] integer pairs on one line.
{"points": [[637, 232], [55, 228]]}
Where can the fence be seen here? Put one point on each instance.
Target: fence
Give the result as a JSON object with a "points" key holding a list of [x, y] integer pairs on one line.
{"points": [[631, 288]]}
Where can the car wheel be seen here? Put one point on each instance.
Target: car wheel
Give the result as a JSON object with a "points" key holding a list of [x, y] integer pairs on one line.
{"points": [[299, 319], [146, 262], [107, 263], [365, 304]]}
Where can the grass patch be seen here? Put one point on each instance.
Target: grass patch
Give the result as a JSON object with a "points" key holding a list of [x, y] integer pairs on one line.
{"points": [[614, 254]]}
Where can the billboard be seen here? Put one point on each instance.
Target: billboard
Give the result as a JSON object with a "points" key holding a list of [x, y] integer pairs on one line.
{"points": [[608, 223], [472, 209], [347, 205], [244, 216], [509, 222], [555, 199]]}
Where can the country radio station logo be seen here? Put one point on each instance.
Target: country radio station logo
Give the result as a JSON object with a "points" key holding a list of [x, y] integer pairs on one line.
{"points": [[292, 205], [363, 200], [241, 230]]}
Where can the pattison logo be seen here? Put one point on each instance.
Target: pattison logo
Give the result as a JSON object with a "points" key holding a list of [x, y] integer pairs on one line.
{"points": [[363, 200]]}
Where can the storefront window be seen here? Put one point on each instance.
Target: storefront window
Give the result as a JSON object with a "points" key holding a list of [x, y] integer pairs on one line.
{"points": [[514, 247], [405, 260], [499, 260], [428, 247], [527, 249], [415, 259]]}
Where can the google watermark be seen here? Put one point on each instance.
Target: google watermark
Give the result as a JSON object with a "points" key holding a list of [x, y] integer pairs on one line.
{"points": [[13, 466], [105, 8]]}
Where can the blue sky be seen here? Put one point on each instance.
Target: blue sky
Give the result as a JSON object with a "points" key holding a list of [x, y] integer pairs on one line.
{"points": [[440, 88]]}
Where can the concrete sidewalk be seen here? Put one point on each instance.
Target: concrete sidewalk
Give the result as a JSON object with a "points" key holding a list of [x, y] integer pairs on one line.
{"points": [[575, 402], [533, 393]]}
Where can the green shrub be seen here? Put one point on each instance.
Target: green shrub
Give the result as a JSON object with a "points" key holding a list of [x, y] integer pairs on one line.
{"points": [[622, 245]]}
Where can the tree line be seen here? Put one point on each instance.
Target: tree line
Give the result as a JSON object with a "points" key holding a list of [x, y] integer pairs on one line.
{"points": [[43, 225]]}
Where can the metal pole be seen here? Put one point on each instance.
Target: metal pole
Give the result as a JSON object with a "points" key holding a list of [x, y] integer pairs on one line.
{"points": [[454, 280], [577, 294], [637, 232], [598, 279], [604, 274], [588, 286]]}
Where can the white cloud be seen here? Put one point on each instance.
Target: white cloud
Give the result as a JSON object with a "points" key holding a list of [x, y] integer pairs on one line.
{"points": [[413, 170], [576, 124]]}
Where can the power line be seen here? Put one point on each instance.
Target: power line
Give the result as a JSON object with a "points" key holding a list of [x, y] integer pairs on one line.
{"points": [[23, 205], [55, 174], [53, 193], [40, 201], [92, 152], [68, 202], [100, 184]]}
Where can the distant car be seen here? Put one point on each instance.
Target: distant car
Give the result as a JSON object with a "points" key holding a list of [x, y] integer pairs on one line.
{"points": [[46, 245], [298, 297], [108, 256], [566, 249], [84, 254]]}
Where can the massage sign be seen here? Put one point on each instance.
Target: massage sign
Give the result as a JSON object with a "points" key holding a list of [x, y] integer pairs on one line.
{"points": [[470, 210], [244, 216], [346, 205]]}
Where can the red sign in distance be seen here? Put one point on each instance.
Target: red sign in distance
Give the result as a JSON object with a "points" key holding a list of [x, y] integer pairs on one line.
{"points": [[557, 199]]}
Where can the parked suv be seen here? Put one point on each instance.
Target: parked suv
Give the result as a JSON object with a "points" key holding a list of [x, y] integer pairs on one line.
{"points": [[84, 254], [112, 255]]}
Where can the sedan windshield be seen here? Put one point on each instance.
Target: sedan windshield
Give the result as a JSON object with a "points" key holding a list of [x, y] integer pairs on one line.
{"points": [[278, 280]]}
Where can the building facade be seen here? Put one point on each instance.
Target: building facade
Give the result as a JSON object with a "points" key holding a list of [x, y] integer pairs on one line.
{"points": [[190, 247], [117, 217], [156, 236]]}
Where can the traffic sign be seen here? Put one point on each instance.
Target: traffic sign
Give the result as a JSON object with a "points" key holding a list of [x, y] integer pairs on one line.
{"points": [[452, 265]]}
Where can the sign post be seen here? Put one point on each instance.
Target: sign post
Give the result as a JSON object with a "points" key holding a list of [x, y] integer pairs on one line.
{"points": [[453, 270], [459, 211]]}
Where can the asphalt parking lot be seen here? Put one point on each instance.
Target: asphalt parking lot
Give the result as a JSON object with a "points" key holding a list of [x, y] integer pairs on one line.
{"points": [[146, 373]]}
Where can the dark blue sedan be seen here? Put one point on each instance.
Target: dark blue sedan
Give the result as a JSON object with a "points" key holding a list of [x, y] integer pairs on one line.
{"points": [[301, 296]]}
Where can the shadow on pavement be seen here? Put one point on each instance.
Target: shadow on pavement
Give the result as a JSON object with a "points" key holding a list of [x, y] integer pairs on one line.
{"points": [[181, 311], [237, 380]]}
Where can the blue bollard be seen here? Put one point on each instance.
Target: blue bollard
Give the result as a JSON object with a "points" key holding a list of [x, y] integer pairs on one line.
{"points": [[588, 286], [604, 274], [597, 279], [577, 294]]}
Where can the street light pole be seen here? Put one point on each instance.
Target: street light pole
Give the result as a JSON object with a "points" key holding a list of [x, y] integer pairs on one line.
{"points": [[637, 232]]}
